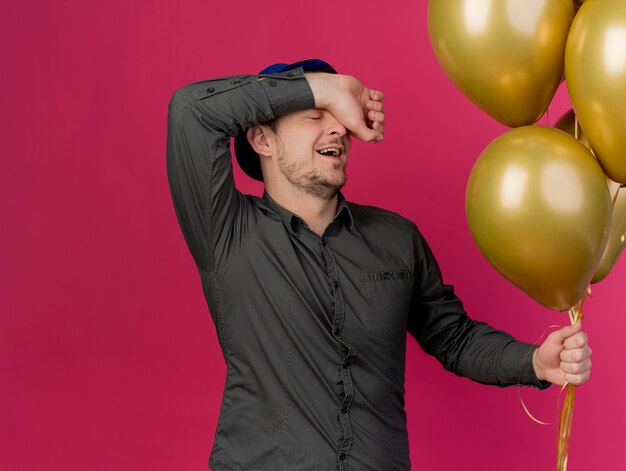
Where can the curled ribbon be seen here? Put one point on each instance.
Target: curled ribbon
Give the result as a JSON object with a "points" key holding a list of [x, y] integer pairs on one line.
{"points": [[567, 412]]}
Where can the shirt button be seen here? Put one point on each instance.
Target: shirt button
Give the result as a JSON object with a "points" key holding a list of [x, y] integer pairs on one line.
{"points": [[336, 284], [210, 90], [323, 242], [235, 82], [337, 332], [344, 410], [346, 364], [290, 75], [272, 83], [343, 457]]}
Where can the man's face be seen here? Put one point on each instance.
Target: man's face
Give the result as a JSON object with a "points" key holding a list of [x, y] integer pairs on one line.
{"points": [[312, 150]]}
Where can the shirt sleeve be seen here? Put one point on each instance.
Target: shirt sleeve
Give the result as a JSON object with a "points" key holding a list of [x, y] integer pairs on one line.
{"points": [[464, 346], [214, 217]]}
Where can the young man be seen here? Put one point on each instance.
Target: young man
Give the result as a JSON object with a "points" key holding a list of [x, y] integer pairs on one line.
{"points": [[312, 296]]}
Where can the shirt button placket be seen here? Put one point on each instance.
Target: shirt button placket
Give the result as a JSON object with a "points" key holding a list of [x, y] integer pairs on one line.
{"points": [[349, 352]]}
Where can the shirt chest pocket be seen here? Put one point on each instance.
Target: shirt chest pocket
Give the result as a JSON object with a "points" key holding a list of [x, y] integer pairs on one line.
{"points": [[388, 298]]}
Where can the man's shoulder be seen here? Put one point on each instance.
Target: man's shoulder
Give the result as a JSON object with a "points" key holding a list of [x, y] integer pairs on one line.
{"points": [[185, 96]]}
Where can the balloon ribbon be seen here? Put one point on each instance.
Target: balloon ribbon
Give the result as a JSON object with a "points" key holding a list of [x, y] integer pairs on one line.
{"points": [[567, 412]]}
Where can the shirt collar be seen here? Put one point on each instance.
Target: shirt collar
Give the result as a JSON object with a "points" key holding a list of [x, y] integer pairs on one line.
{"points": [[290, 220]]}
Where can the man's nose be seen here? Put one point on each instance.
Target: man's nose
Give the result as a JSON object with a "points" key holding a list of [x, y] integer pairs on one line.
{"points": [[334, 127]]}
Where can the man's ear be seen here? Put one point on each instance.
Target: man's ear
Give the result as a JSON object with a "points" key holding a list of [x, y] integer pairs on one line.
{"points": [[258, 139]]}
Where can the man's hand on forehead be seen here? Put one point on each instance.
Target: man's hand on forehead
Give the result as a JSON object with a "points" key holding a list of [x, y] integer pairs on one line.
{"points": [[355, 106]]}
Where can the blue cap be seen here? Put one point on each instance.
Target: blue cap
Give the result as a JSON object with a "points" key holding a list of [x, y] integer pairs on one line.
{"points": [[247, 159]]}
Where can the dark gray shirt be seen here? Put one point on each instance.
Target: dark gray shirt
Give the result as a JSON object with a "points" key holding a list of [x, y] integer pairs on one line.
{"points": [[313, 329]]}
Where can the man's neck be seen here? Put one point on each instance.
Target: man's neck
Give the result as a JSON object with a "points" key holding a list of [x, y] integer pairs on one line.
{"points": [[316, 212]]}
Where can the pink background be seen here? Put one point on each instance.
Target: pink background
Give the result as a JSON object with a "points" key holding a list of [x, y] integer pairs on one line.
{"points": [[108, 357]]}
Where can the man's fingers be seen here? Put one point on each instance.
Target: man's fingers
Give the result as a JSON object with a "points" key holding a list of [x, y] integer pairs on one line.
{"points": [[567, 348], [376, 116], [560, 335], [366, 134], [578, 340], [576, 368], [577, 380], [376, 123], [376, 106], [576, 355], [376, 95]]}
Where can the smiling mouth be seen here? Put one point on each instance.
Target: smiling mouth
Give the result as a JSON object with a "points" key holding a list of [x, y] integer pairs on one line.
{"points": [[330, 152]]}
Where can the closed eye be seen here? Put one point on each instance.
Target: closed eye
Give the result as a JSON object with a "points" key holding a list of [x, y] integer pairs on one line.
{"points": [[314, 114]]}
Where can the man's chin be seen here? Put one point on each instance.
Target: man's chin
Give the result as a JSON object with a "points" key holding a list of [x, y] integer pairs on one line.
{"points": [[335, 187], [325, 189], [318, 184]]}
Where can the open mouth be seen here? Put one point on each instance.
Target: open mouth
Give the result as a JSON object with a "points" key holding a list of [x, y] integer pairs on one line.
{"points": [[330, 152]]}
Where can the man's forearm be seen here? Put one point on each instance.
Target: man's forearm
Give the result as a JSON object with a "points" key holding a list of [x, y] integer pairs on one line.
{"points": [[358, 108]]}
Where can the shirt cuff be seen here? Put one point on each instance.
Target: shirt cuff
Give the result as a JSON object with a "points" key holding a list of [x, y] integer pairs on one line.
{"points": [[527, 375], [288, 91]]}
